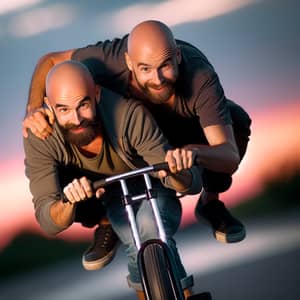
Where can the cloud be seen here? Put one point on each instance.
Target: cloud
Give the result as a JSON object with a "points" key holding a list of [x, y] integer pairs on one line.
{"points": [[13, 5], [41, 20], [174, 12]]}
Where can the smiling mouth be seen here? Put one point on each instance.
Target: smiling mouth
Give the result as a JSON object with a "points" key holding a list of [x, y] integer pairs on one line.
{"points": [[78, 130], [158, 88]]}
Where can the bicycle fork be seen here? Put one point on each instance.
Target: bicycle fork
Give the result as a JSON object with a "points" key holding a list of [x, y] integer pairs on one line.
{"points": [[149, 195], [157, 247]]}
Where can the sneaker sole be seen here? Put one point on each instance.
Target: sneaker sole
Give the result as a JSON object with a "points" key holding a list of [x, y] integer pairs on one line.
{"points": [[221, 236], [229, 238], [102, 262]]}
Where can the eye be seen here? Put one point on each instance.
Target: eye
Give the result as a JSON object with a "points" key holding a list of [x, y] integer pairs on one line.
{"points": [[166, 65], [85, 104], [63, 110], [145, 69]]}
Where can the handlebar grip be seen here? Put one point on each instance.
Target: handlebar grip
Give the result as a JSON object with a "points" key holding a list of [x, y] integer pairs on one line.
{"points": [[161, 166], [96, 185], [64, 198], [99, 183]]}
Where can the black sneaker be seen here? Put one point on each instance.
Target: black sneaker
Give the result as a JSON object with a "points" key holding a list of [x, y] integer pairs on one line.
{"points": [[102, 250], [226, 228]]}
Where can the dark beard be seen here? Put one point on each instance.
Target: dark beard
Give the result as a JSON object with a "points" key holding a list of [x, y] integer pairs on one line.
{"points": [[160, 98], [84, 138]]}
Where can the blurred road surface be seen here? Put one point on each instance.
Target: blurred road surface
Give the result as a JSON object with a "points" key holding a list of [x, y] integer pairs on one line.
{"points": [[264, 266]]}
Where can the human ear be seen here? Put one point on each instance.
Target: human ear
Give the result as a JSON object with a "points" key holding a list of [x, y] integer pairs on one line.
{"points": [[128, 61], [178, 55], [98, 93]]}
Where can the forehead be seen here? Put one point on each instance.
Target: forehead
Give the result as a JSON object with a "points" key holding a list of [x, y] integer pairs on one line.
{"points": [[150, 53], [70, 95], [68, 84], [154, 57]]}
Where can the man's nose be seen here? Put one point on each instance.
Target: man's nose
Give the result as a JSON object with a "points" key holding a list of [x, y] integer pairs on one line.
{"points": [[157, 77], [76, 118]]}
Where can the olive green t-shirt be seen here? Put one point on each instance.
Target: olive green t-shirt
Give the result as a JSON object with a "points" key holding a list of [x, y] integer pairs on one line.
{"points": [[106, 163]]}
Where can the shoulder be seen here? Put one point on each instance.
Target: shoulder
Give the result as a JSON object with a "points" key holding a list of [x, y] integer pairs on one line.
{"points": [[196, 75], [112, 103], [107, 48], [115, 110], [119, 113], [54, 147], [195, 68], [191, 52]]}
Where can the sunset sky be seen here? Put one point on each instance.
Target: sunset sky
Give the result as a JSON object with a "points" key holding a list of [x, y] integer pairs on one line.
{"points": [[254, 46]]}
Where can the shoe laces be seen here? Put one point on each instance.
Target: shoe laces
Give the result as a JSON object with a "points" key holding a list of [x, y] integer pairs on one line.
{"points": [[103, 236]]}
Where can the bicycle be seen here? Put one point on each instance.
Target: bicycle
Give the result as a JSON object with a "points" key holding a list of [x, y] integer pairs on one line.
{"points": [[159, 281]]}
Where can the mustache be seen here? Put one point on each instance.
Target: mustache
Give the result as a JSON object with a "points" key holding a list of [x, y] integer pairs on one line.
{"points": [[83, 124], [165, 83]]}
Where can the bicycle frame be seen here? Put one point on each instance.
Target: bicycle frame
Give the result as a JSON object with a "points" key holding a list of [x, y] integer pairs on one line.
{"points": [[153, 254]]}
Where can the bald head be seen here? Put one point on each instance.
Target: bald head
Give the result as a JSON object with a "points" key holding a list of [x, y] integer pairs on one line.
{"points": [[150, 36], [67, 79], [153, 59], [73, 96]]}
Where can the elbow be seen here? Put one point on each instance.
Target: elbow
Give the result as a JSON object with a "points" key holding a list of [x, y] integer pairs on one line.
{"points": [[46, 223], [233, 162], [50, 229]]}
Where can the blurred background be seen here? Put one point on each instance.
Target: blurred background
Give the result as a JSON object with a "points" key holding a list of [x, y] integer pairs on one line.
{"points": [[254, 46]]}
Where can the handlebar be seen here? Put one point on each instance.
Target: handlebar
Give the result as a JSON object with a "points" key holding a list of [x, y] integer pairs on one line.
{"points": [[103, 182], [153, 168]]}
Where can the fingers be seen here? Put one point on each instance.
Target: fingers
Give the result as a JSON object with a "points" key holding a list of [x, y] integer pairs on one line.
{"points": [[179, 159], [24, 130], [38, 124], [78, 190], [100, 192], [162, 174], [50, 115]]}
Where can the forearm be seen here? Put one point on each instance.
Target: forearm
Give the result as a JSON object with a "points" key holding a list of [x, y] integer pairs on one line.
{"points": [[220, 158], [62, 214], [37, 89]]}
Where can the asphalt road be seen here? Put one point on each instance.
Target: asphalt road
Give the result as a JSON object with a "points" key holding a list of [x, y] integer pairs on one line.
{"points": [[266, 266]]}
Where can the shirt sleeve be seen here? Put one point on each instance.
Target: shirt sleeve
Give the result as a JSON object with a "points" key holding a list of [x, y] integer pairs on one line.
{"points": [[210, 102], [42, 171], [201, 88]]}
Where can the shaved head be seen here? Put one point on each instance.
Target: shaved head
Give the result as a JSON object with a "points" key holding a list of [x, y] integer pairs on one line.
{"points": [[150, 35], [153, 58], [66, 78], [73, 96]]}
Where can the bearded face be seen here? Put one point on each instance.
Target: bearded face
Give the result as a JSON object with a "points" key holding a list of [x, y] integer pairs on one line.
{"points": [[156, 93], [155, 76], [82, 134]]}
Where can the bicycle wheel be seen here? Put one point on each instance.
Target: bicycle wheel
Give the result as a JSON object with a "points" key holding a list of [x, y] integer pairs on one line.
{"points": [[159, 280]]}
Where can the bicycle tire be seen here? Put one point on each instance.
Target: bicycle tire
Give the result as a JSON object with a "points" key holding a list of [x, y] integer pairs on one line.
{"points": [[159, 275]]}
